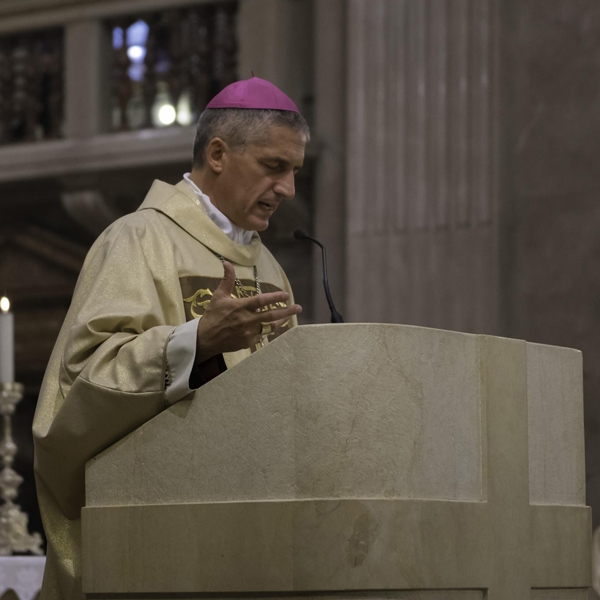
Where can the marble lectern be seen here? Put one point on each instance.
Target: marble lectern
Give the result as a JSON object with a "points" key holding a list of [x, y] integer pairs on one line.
{"points": [[379, 461]]}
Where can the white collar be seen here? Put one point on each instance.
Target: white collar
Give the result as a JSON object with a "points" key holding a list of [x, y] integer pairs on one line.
{"points": [[231, 230]]}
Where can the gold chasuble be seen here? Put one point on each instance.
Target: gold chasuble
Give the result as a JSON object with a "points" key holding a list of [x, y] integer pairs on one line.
{"points": [[146, 274]]}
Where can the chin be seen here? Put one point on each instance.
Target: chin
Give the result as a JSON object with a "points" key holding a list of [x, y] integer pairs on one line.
{"points": [[261, 226]]}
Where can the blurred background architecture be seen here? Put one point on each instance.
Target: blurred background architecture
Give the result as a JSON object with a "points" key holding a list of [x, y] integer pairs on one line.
{"points": [[452, 173]]}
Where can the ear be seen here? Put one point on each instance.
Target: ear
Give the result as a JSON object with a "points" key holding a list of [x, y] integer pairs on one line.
{"points": [[214, 154]]}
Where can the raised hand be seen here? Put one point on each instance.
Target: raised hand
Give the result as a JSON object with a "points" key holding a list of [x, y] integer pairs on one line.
{"points": [[231, 324]]}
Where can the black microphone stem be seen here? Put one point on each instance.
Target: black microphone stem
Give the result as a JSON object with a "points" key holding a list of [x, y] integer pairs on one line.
{"points": [[335, 315]]}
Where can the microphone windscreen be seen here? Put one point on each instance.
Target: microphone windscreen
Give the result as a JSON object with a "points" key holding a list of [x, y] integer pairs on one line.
{"points": [[299, 234]]}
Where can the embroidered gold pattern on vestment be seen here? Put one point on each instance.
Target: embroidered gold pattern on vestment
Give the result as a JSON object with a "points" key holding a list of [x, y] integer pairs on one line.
{"points": [[198, 291]]}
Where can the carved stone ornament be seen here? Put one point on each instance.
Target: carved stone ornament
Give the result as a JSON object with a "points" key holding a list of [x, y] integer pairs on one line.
{"points": [[14, 528]]}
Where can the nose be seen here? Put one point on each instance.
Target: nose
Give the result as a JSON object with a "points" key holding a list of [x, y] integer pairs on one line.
{"points": [[286, 186]]}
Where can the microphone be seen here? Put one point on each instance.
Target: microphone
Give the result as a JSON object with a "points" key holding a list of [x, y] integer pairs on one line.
{"points": [[335, 315]]}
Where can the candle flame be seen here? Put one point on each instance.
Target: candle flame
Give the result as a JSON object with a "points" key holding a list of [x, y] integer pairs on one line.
{"points": [[4, 304]]}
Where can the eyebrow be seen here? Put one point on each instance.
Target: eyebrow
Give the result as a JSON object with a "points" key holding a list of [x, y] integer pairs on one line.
{"points": [[281, 160]]}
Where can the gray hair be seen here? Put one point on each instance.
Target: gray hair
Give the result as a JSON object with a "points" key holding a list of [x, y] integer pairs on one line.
{"points": [[238, 127]]}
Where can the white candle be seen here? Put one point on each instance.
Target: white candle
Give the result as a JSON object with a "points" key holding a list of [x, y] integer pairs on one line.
{"points": [[7, 343]]}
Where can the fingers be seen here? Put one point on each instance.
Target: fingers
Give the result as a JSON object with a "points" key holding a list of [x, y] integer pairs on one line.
{"points": [[280, 322], [278, 314], [262, 300], [228, 282], [227, 287]]}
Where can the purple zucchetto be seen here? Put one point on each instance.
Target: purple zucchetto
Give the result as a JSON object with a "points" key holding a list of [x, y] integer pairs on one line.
{"points": [[253, 93]]}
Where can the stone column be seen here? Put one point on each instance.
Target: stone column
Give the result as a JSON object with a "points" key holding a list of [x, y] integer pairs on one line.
{"points": [[421, 222]]}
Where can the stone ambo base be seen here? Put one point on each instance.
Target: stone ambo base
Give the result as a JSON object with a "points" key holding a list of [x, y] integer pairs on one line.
{"points": [[391, 461]]}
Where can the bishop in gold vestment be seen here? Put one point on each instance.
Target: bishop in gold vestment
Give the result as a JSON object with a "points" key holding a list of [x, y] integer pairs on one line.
{"points": [[142, 278], [169, 267]]}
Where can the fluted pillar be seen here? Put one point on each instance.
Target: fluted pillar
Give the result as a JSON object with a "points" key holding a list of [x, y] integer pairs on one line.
{"points": [[421, 166]]}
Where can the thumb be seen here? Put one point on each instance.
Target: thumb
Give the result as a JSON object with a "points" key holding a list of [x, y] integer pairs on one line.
{"points": [[228, 282]]}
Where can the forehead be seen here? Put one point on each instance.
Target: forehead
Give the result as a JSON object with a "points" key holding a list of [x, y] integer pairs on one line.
{"points": [[283, 143]]}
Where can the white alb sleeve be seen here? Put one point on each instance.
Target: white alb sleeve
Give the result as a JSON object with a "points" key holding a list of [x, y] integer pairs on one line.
{"points": [[181, 354]]}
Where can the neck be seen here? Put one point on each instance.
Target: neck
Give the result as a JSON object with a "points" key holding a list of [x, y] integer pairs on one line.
{"points": [[206, 181], [229, 228]]}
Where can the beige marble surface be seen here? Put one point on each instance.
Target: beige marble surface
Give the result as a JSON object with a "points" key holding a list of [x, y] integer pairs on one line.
{"points": [[556, 441], [354, 457], [369, 426]]}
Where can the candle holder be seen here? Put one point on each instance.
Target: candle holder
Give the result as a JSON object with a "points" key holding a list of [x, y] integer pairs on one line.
{"points": [[14, 523]]}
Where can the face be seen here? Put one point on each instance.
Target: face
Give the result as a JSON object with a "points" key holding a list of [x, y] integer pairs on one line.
{"points": [[254, 182]]}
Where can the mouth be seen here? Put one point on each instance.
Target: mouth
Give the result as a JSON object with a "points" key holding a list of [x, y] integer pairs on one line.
{"points": [[267, 206]]}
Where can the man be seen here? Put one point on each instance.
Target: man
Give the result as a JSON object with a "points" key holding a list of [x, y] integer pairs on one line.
{"points": [[168, 298]]}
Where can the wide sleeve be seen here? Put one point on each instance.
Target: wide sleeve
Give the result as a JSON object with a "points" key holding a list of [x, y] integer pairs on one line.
{"points": [[112, 357]]}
